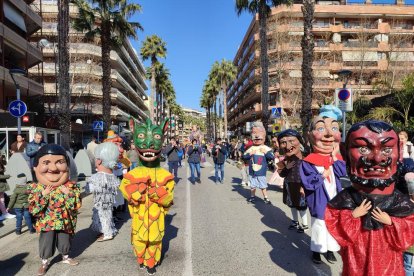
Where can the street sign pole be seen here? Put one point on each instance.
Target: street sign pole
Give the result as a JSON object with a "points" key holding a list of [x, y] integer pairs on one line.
{"points": [[19, 120]]}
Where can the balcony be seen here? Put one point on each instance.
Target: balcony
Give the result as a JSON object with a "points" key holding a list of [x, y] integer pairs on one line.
{"points": [[121, 98], [28, 86], [18, 43], [120, 63], [33, 20], [360, 44]]}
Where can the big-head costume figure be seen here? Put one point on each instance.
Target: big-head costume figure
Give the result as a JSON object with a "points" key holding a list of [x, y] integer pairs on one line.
{"points": [[371, 220], [258, 155], [320, 172], [55, 202], [149, 190]]}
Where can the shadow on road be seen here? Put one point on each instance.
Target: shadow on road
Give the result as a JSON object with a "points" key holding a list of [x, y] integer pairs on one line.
{"points": [[13, 265], [290, 250], [171, 233]]}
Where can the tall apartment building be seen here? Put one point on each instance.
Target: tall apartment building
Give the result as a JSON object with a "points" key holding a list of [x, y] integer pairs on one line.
{"points": [[128, 96], [18, 22], [184, 133], [373, 39]]}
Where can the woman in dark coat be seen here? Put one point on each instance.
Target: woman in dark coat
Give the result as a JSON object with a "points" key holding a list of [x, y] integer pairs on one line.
{"points": [[290, 145]]}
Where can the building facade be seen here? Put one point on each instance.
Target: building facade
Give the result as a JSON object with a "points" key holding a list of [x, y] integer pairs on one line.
{"points": [[128, 96], [18, 22], [373, 39], [183, 132]]}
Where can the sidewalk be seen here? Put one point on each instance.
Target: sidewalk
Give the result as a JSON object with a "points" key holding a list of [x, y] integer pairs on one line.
{"points": [[8, 226]]}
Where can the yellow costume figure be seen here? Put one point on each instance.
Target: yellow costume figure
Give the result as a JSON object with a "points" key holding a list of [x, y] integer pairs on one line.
{"points": [[149, 190]]}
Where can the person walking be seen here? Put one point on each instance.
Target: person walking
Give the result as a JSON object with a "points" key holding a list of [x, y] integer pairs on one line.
{"points": [[194, 157], [245, 168], [171, 151], [219, 157], [20, 204], [33, 147], [91, 146], [19, 145], [132, 155]]}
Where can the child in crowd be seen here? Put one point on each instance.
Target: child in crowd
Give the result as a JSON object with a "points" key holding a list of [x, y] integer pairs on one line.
{"points": [[104, 185], [19, 202]]}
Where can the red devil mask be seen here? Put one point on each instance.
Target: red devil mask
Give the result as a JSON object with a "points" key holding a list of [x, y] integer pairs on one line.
{"points": [[372, 152]]}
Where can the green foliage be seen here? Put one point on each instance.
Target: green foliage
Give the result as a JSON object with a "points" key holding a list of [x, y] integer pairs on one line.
{"points": [[152, 48]]}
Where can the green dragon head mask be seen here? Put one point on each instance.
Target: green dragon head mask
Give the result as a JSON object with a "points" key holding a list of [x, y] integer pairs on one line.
{"points": [[148, 139]]}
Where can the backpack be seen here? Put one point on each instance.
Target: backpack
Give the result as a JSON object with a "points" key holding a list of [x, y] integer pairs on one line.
{"points": [[180, 153]]}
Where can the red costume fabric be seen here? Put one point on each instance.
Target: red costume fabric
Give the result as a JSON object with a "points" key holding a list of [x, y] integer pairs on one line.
{"points": [[385, 245]]}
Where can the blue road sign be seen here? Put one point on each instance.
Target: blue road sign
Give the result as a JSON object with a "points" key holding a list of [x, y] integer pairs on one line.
{"points": [[17, 108], [276, 112], [344, 94], [98, 125]]}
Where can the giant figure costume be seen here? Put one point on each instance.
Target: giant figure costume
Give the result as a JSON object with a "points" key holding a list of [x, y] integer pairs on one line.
{"points": [[371, 220], [149, 190], [320, 172]]}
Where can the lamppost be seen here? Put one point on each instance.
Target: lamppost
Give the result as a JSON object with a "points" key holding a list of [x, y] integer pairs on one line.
{"points": [[344, 75], [13, 73]]}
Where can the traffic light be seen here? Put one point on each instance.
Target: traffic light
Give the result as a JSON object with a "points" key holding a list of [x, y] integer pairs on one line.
{"points": [[25, 119]]}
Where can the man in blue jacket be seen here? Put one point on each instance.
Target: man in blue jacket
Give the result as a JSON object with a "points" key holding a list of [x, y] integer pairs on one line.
{"points": [[219, 157], [33, 147]]}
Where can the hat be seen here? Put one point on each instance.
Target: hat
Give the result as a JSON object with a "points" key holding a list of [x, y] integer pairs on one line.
{"points": [[330, 111], [290, 132], [52, 149], [111, 134], [21, 179]]}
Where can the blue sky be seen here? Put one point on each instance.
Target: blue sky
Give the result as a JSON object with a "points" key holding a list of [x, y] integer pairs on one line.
{"points": [[197, 33]]}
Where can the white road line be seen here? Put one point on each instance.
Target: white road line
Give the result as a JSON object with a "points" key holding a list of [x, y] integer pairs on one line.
{"points": [[188, 263]]}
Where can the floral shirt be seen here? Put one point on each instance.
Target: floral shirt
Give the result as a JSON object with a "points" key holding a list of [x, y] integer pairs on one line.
{"points": [[55, 211]]}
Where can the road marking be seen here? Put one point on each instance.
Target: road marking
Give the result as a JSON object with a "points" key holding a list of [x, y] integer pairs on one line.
{"points": [[188, 263]]}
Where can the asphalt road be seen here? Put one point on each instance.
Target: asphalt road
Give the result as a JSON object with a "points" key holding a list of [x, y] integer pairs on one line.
{"points": [[211, 230]]}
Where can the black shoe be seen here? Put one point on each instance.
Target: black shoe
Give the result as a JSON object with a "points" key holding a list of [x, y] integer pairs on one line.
{"points": [[18, 232], [141, 266], [151, 271], [294, 225], [303, 229], [267, 201], [251, 199], [33, 231], [330, 257], [316, 257], [198, 180]]}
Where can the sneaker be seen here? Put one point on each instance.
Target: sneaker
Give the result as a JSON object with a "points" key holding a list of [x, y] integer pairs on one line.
{"points": [[103, 238], [303, 229], [9, 216], [294, 225], [151, 271], [330, 257], [70, 261], [316, 257], [141, 266], [18, 232], [267, 201], [251, 199], [198, 180], [42, 269]]}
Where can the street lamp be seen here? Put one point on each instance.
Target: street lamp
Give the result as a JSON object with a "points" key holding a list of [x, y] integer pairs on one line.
{"points": [[17, 72], [344, 75]]}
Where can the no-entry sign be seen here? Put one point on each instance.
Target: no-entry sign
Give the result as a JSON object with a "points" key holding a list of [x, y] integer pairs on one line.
{"points": [[343, 99]]}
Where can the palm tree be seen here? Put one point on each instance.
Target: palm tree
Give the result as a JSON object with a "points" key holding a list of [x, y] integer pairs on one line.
{"points": [[113, 28], [153, 48], [206, 102], [308, 9], [162, 82], [63, 73], [225, 73], [263, 8], [212, 91]]}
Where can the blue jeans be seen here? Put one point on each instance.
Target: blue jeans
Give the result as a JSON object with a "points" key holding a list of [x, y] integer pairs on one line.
{"points": [[173, 166], [20, 213], [133, 165], [195, 166], [408, 264], [217, 168]]}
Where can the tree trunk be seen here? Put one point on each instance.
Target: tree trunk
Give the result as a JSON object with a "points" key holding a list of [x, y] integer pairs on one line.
{"points": [[63, 75], [308, 9], [225, 110], [153, 91], [215, 118], [106, 74], [161, 106], [264, 63]]}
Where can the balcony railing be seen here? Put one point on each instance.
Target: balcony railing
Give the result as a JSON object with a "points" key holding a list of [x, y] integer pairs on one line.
{"points": [[359, 44]]}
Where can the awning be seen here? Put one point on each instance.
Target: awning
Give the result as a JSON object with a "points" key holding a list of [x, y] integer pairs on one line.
{"points": [[12, 14]]}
